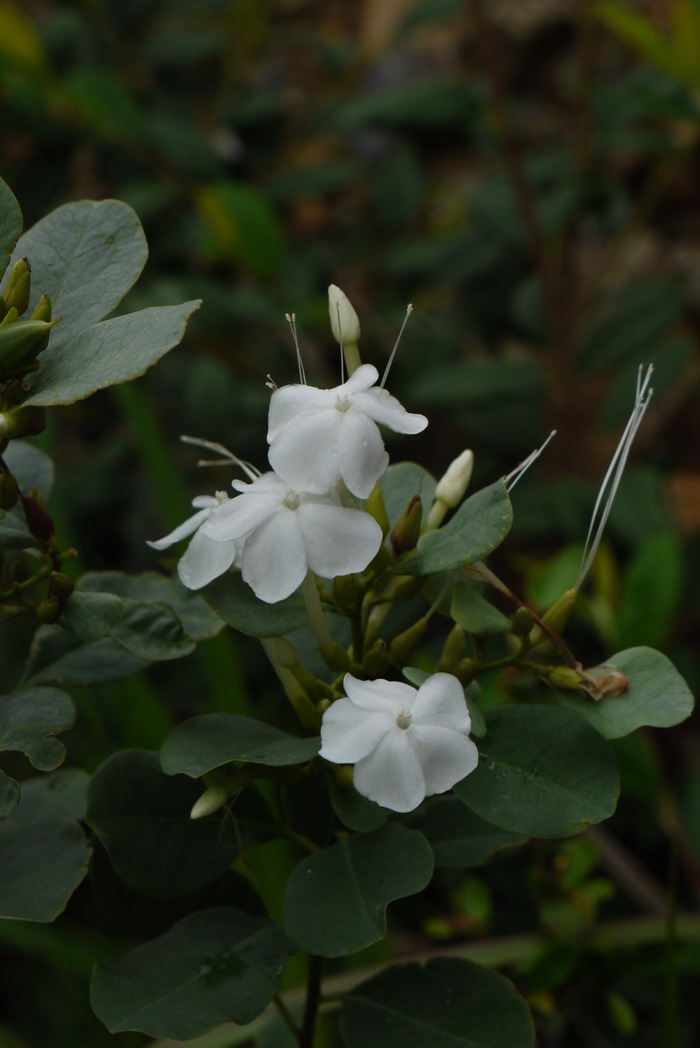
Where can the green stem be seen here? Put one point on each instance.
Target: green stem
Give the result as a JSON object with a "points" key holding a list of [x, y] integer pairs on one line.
{"points": [[313, 1000], [351, 353]]}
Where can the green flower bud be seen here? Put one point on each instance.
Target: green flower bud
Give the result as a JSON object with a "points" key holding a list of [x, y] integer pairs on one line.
{"points": [[20, 344], [39, 521], [377, 660], [9, 491], [407, 586], [27, 422], [335, 657], [61, 585], [345, 323], [16, 293], [453, 650], [402, 646], [406, 531], [522, 622], [210, 801], [346, 591], [374, 505], [555, 617], [48, 611], [465, 670], [564, 677]]}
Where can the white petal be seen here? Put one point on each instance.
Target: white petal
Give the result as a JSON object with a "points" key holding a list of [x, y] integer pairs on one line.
{"points": [[360, 380], [266, 484], [306, 454], [382, 407], [205, 560], [348, 734], [392, 775], [390, 696], [182, 531], [361, 456], [440, 700], [274, 562], [240, 515], [445, 756], [291, 404], [202, 501], [338, 541]]}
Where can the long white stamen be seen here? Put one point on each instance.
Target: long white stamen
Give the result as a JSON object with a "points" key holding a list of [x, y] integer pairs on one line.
{"points": [[248, 468], [512, 479], [613, 475], [409, 310], [291, 319]]}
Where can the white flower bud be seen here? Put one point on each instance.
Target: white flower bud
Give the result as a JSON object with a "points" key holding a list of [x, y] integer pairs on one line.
{"points": [[452, 485], [210, 801], [345, 323]]}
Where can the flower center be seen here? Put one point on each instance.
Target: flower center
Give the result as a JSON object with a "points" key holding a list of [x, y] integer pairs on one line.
{"points": [[403, 719], [291, 500], [342, 404], [221, 496]]}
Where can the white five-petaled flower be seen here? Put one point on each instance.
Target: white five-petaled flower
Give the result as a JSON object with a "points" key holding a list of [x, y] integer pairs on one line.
{"points": [[405, 743], [204, 559], [320, 436], [285, 532]]}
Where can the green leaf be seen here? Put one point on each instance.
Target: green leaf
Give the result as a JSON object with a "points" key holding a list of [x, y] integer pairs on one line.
{"points": [[400, 483], [197, 618], [335, 899], [114, 351], [9, 794], [85, 256], [425, 103], [541, 773], [31, 467], [91, 616], [641, 33], [58, 657], [235, 602], [10, 224], [142, 817], [457, 836], [151, 631], [658, 697], [446, 1003], [212, 967], [478, 527], [30, 719], [45, 852], [651, 592], [207, 742], [354, 810], [241, 226], [474, 613]]}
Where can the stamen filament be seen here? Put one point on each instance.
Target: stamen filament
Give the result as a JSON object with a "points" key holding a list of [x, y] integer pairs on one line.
{"points": [[409, 310], [512, 478], [248, 468], [291, 319]]}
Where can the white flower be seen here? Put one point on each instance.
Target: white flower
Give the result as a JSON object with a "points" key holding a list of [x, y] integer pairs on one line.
{"points": [[286, 532], [205, 559], [345, 323], [320, 436], [405, 743]]}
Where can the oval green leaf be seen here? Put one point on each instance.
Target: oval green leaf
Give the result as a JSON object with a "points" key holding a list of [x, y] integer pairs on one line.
{"points": [[543, 771], [474, 613], [458, 836], [114, 351], [478, 527], [202, 743], [142, 817], [235, 602], [30, 719], [214, 966], [657, 697], [399, 485], [448, 1003], [335, 900], [10, 224]]}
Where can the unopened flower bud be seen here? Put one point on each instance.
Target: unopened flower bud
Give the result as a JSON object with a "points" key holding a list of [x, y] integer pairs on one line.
{"points": [[61, 585], [455, 480], [39, 521], [555, 617], [406, 587], [465, 671], [345, 591], [335, 657], [453, 650], [9, 491], [377, 660], [48, 611], [345, 323], [284, 653], [210, 801], [374, 505], [20, 344], [522, 622], [16, 293], [564, 677], [29, 421], [402, 646], [406, 531]]}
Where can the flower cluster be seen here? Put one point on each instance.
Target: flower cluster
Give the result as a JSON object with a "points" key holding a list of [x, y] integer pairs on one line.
{"points": [[323, 443]]}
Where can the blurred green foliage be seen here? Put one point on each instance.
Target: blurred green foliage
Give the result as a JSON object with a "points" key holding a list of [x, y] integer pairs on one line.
{"points": [[526, 174]]}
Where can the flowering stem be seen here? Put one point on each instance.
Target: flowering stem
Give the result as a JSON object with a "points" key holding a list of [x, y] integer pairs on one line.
{"points": [[331, 651], [301, 703], [313, 1000]]}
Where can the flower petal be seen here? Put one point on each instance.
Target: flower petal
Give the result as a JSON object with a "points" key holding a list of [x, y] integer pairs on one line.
{"points": [[445, 756], [348, 734], [392, 775], [305, 455], [388, 696], [338, 541], [204, 560], [291, 404], [274, 561], [182, 531], [440, 700], [202, 501], [240, 515], [361, 456], [382, 407], [360, 380]]}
